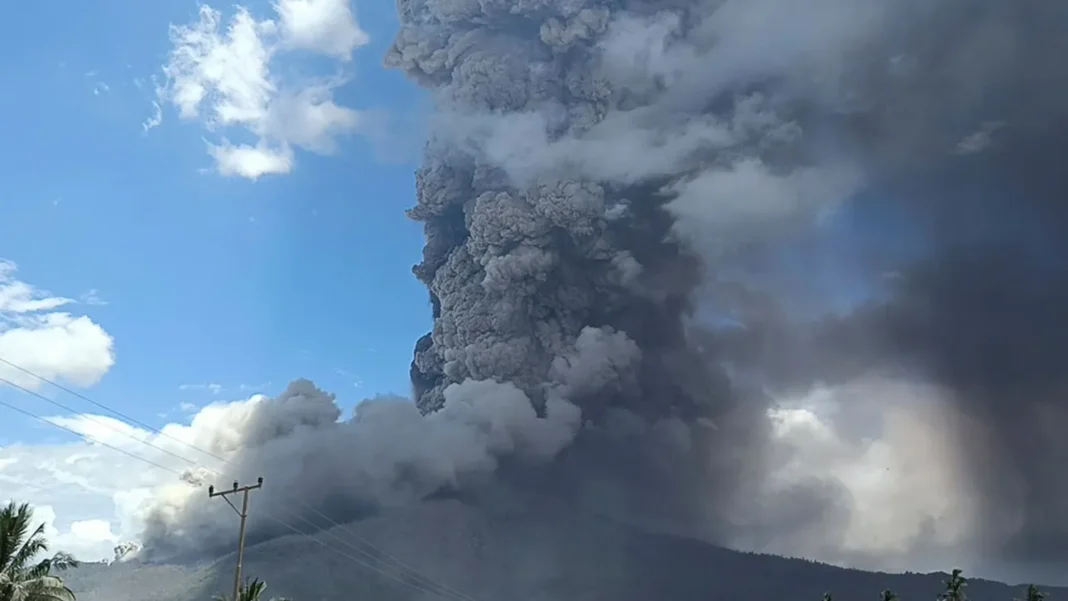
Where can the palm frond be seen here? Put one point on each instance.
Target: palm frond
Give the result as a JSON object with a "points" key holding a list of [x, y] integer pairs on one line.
{"points": [[57, 563], [48, 588], [63, 561], [252, 590], [33, 546], [14, 531], [20, 544]]}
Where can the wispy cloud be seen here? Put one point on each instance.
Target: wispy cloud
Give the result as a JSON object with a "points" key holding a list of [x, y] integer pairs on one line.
{"points": [[351, 377], [92, 298], [979, 140], [223, 78], [216, 389], [155, 119], [99, 87], [213, 388], [255, 387]]}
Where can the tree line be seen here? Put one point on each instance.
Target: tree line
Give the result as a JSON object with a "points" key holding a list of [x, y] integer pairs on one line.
{"points": [[954, 591], [28, 573]]}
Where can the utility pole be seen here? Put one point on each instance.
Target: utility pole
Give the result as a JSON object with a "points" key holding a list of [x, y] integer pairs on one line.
{"points": [[243, 512]]}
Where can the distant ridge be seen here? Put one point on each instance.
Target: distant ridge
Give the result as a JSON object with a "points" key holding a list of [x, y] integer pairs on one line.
{"points": [[503, 554]]}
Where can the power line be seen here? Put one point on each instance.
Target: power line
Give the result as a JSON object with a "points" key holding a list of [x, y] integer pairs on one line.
{"points": [[84, 437], [399, 578], [92, 418], [417, 585], [110, 410], [378, 556]]}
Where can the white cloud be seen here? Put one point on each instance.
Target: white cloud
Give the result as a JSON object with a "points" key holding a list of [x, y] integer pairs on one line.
{"points": [[251, 162], [92, 494], [94, 531], [91, 497], [81, 492], [102, 429], [36, 335], [324, 26], [86, 539], [223, 78]]}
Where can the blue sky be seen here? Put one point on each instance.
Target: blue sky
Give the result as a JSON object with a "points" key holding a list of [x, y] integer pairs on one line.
{"points": [[208, 279], [210, 282]]}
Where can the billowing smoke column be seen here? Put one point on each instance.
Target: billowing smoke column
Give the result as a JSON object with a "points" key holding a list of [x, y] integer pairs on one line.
{"points": [[626, 206], [589, 151], [323, 470]]}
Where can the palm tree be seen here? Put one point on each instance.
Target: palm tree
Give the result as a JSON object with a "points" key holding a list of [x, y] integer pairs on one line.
{"points": [[954, 591], [20, 544], [1033, 594], [250, 591], [955, 587]]}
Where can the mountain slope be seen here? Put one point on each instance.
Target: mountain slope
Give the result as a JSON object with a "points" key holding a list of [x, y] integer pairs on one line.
{"points": [[502, 554]]}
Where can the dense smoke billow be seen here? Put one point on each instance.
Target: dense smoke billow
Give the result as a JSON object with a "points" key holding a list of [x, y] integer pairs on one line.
{"points": [[642, 218]]}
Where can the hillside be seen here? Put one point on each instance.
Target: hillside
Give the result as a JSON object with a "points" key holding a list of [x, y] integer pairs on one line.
{"points": [[501, 555]]}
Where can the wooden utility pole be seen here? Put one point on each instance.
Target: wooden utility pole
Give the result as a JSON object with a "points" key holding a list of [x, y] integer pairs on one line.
{"points": [[243, 512]]}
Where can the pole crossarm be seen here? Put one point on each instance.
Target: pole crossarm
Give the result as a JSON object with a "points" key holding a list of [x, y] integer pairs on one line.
{"points": [[243, 514]]}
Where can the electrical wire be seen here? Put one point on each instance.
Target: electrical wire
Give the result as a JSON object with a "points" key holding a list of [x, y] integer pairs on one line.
{"points": [[91, 418], [45, 420], [417, 585], [415, 579], [375, 553]]}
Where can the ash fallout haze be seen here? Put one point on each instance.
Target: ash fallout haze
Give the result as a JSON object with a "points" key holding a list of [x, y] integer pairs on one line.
{"points": [[783, 276]]}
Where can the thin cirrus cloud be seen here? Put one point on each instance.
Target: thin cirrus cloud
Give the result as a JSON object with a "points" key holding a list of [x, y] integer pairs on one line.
{"points": [[215, 389], [221, 76], [212, 388]]}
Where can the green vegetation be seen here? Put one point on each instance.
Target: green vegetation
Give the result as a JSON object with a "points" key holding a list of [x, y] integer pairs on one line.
{"points": [[252, 590], [22, 576], [954, 591], [1033, 594]]}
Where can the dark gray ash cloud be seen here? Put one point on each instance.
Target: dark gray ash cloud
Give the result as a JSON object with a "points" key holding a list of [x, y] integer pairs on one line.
{"points": [[606, 180]]}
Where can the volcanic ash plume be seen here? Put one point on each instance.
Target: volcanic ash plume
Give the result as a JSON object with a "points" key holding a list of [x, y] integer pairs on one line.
{"points": [[608, 194], [322, 469], [620, 164]]}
